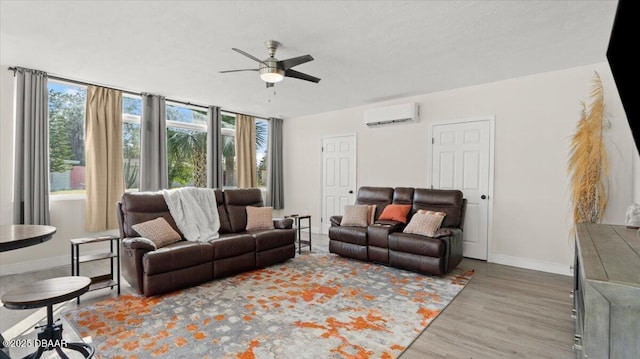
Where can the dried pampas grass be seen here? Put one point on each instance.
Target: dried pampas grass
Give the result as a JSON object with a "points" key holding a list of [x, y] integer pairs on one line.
{"points": [[588, 160]]}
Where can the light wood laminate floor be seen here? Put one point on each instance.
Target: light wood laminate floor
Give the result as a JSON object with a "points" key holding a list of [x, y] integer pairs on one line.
{"points": [[504, 312]]}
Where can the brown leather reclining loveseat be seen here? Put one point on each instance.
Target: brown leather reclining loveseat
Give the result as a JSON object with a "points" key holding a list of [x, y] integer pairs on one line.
{"points": [[154, 271], [384, 242]]}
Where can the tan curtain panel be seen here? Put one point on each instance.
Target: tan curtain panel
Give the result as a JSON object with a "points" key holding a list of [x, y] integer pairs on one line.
{"points": [[103, 148], [246, 151]]}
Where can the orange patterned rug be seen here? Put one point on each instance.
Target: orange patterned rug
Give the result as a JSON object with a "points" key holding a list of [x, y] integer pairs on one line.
{"points": [[313, 306]]}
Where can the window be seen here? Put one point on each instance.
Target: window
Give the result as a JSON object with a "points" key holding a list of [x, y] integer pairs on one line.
{"points": [[228, 132], [262, 136], [186, 146], [186, 142], [67, 104], [131, 111]]}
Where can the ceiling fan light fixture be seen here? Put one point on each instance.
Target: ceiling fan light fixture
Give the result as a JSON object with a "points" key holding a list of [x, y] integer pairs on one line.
{"points": [[270, 74], [272, 70]]}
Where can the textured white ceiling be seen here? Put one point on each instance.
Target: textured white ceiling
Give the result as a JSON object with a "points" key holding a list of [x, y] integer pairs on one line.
{"points": [[365, 51]]}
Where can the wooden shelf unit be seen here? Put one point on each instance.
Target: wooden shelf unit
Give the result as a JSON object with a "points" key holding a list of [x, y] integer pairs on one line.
{"points": [[108, 280]]}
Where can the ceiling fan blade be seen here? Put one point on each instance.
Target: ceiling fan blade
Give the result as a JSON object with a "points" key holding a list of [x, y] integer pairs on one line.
{"points": [[301, 76], [294, 61], [270, 84], [224, 72], [248, 55]]}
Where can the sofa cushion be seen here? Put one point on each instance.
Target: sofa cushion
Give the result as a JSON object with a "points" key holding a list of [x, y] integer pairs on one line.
{"points": [[403, 195], [425, 223], [138, 207], [354, 235], [448, 201], [355, 215], [269, 239], [416, 244], [225, 225], [395, 212], [236, 201], [158, 231], [380, 196], [232, 245], [283, 223], [259, 218], [175, 256]]}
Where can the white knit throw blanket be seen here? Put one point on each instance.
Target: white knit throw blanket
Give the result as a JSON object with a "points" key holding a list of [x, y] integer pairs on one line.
{"points": [[195, 212]]}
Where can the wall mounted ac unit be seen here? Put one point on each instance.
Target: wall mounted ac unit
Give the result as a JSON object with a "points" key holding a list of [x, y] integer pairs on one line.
{"points": [[408, 112]]}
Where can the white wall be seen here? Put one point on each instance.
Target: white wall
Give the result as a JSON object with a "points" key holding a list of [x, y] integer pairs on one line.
{"points": [[6, 144], [66, 215], [535, 118]]}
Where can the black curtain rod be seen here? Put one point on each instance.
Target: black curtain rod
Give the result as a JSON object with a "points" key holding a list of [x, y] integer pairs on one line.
{"points": [[14, 69]]}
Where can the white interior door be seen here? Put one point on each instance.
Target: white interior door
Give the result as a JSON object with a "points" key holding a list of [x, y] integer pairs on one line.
{"points": [[461, 160], [338, 176]]}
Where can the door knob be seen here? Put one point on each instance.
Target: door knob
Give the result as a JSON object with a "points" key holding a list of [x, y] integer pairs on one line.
{"points": [[350, 192], [483, 197]]}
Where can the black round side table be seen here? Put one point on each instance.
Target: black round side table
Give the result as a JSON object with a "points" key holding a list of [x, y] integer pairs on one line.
{"points": [[47, 293]]}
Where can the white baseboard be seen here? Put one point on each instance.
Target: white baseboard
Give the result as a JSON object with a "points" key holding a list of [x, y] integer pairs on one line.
{"points": [[40, 264], [534, 264]]}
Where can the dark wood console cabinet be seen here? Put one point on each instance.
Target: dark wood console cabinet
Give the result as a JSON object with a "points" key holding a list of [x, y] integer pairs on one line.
{"points": [[607, 292]]}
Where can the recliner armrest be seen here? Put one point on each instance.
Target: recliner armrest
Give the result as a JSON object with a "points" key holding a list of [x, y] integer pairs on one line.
{"points": [[283, 223], [443, 232], [138, 243], [335, 220]]}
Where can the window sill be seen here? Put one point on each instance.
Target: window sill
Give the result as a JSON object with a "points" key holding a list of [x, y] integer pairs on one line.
{"points": [[66, 197]]}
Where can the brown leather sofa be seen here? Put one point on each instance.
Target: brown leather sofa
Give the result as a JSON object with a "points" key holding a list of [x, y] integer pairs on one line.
{"points": [[384, 242], [154, 271]]}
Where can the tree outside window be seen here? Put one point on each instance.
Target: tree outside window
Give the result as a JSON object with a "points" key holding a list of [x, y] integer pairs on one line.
{"points": [[262, 135], [186, 146], [131, 111], [67, 105]]}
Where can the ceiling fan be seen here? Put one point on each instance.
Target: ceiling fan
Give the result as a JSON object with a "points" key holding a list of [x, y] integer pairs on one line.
{"points": [[273, 70]]}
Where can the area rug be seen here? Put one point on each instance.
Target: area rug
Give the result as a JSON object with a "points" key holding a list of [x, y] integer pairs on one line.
{"points": [[313, 306]]}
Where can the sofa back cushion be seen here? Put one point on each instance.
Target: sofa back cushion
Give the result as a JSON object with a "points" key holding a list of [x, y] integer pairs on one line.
{"points": [[380, 196], [236, 201], [439, 200], [403, 195], [139, 207], [225, 225]]}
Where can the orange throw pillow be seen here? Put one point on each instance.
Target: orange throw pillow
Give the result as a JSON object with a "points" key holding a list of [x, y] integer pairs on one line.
{"points": [[395, 212]]}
